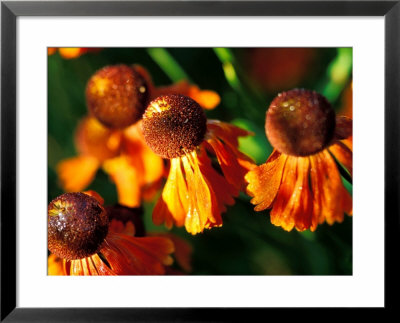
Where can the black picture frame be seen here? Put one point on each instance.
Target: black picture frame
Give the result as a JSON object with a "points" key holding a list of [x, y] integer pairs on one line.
{"points": [[11, 10]]}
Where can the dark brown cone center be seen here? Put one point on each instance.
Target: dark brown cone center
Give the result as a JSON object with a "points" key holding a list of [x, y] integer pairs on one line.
{"points": [[117, 96], [300, 122], [77, 226], [174, 125]]}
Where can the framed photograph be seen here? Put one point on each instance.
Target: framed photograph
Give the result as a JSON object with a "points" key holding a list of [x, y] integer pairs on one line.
{"points": [[200, 155]]}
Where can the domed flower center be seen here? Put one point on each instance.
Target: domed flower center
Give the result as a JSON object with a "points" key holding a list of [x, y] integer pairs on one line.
{"points": [[77, 226], [174, 125], [117, 95], [300, 122]]}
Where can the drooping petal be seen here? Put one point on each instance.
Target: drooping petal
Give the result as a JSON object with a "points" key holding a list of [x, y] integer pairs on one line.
{"points": [[327, 182], [200, 211], [284, 194], [343, 154], [294, 198], [264, 181], [125, 178], [224, 192], [171, 208], [76, 173], [222, 140], [137, 256], [125, 255]]}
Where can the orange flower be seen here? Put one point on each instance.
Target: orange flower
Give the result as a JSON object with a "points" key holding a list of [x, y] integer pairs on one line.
{"points": [[82, 242], [196, 193], [71, 52], [111, 137], [300, 180]]}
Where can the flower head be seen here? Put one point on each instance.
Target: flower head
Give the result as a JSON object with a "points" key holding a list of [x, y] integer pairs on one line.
{"points": [[174, 125], [196, 193], [111, 136], [117, 95], [300, 180], [83, 240]]}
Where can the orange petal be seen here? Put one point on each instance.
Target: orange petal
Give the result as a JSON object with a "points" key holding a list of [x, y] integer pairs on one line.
{"points": [[343, 154], [206, 98], [125, 178], [264, 181], [150, 166], [302, 198], [51, 50], [327, 181], [137, 256], [293, 206], [232, 170], [55, 266], [172, 206], [71, 52], [224, 192], [94, 139], [284, 194], [227, 132], [76, 173], [201, 207]]}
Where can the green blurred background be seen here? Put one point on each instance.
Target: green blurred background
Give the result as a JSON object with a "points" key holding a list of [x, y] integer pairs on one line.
{"points": [[247, 79]]}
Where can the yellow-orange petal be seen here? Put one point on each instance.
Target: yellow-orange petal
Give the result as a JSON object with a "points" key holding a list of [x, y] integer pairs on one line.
{"points": [[70, 52], [150, 166], [125, 178], [264, 181], [201, 206], [55, 266], [76, 173], [343, 154], [94, 139], [206, 98], [172, 205]]}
